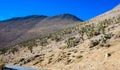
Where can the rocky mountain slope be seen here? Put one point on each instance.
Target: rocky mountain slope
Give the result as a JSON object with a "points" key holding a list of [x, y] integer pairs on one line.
{"points": [[20, 29], [90, 45]]}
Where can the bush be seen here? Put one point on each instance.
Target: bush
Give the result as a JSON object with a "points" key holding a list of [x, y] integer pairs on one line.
{"points": [[3, 51], [71, 42], [56, 37], [101, 28], [118, 19], [104, 38], [43, 41], [13, 50], [90, 30], [29, 44]]}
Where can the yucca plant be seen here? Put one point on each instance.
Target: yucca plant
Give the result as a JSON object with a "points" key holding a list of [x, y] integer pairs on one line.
{"points": [[90, 30], [104, 38], [71, 42]]}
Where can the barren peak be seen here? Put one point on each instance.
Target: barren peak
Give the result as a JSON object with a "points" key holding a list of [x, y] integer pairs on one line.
{"points": [[66, 16], [25, 17]]}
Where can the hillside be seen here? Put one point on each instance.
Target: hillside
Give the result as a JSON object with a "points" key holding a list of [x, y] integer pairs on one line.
{"points": [[90, 45], [19, 29]]}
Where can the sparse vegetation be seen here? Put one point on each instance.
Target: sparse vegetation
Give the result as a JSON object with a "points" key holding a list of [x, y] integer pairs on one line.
{"points": [[73, 41], [104, 38], [118, 19], [15, 49], [3, 50], [90, 30], [29, 44], [43, 41], [92, 35], [56, 37]]}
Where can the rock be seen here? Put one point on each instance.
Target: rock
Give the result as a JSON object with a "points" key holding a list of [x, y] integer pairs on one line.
{"points": [[107, 55]]}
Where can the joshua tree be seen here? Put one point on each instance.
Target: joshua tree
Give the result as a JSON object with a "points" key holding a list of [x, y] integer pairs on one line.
{"points": [[104, 38]]}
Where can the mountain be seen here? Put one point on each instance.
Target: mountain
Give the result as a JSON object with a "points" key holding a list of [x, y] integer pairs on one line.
{"points": [[19, 29], [89, 45]]}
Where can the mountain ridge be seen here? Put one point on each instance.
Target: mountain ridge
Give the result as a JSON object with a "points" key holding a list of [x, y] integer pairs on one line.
{"points": [[29, 27], [43, 16]]}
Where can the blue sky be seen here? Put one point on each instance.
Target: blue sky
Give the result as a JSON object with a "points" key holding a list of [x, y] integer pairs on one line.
{"points": [[84, 9]]}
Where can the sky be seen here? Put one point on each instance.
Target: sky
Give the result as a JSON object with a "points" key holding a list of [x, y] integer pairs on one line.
{"points": [[84, 9]]}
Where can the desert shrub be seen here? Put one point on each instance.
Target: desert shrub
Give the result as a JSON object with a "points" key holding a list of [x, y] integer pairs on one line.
{"points": [[101, 28], [71, 42], [30, 48], [13, 50], [90, 30], [81, 32], [118, 19], [3, 50], [102, 25], [28, 44], [104, 38], [108, 36], [68, 31], [56, 37], [43, 41]]}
